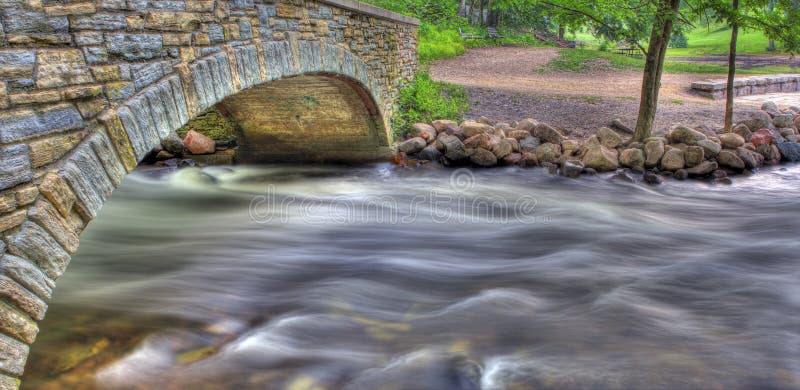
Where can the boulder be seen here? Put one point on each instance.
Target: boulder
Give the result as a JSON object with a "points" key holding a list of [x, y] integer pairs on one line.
{"points": [[751, 159], [514, 144], [512, 159], [572, 168], [425, 131], [598, 157], [454, 149], [753, 119], [519, 134], [570, 145], [608, 138], [673, 160], [547, 133], [529, 144], [685, 135], [783, 120], [790, 151], [445, 126], [710, 149], [743, 131], [486, 121], [694, 155], [786, 132], [548, 152], [702, 169], [413, 145], [529, 160], [653, 151], [771, 153], [482, 140], [503, 148], [198, 143], [681, 174], [797, 122], [763, 137], [769, 106], [173, 144], [617, 124], [472, 128], [164, 155], [727, 158], [622, 176], [731, 140], [651, 178], [430, 153], [527, 124], [483, 157], [632, 158]]}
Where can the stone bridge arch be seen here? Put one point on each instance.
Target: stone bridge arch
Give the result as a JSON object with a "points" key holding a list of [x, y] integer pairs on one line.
{"points": [[87, 88]]}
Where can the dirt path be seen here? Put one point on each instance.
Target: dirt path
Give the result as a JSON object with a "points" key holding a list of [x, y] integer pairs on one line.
{"points": [[503, 84]]}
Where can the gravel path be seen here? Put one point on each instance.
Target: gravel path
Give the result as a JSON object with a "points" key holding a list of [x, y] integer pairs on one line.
{"points": [[503, 84]]}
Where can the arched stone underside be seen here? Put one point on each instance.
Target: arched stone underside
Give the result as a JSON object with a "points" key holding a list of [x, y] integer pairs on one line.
{"points": [[315, 118], [88, 87]]}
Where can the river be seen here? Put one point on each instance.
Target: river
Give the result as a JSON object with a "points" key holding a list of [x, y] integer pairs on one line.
{"points": [[376, 277]]}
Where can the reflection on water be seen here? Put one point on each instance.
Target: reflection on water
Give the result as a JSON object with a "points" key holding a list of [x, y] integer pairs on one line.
{"points": [[180, 283]]}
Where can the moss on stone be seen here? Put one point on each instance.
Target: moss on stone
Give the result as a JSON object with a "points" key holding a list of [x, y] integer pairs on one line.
{"points": [[213, 124]]}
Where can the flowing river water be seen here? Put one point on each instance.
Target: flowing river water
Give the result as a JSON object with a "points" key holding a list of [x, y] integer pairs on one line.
{"points": [[375, 277]]}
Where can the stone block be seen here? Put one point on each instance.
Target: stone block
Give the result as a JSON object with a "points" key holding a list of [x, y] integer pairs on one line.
{"points": [[17, 63], [134, 47], [58, 68], [11, 220], [310, 56], [105, 73], [168, 5], [98, 21], [13, 354], [17, 324], [216, 34], [180, 99], [95, 55], [332, 63], [119, 138], [48, 150], [27, 195], [57, 191], [23, 26], [19, 124], [8, 202], [32, 242], [280, 59], [200, 5], [88, 180], [247, 65], [16, 166], [82, 92], [22, 298], [49, 218], [88, 38], [38, 97], [172, 21], [120, 90], [144, 118], [83, 8], [135, 135], [28, 275], [102, 146], [146, 74]]}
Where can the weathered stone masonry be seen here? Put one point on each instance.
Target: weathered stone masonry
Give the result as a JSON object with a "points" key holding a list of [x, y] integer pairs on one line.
{"points": [[88, 87]]}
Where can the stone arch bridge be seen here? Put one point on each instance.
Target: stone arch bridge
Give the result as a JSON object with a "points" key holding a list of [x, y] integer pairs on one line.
{"points": [[88, 87]]}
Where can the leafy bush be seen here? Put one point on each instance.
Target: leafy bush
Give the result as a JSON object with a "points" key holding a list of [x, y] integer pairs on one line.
{"points": [[679, 41], [426, 100], [212, 124], [439, 42]]}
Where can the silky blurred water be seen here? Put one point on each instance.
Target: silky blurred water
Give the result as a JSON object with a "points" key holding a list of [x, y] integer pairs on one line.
{"points": [[376, 277]]}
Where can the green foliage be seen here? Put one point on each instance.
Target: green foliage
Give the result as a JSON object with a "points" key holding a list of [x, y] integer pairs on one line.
{"points": [[439, 42], [211, 124], [679, 41], [426, 100]]}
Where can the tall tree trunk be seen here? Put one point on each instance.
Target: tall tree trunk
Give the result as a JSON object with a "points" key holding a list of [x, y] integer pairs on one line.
{"points": [[771, 44], [731, 90], [480, 15], [654, 66], [471, 18], [462, 8], [560, 32]]}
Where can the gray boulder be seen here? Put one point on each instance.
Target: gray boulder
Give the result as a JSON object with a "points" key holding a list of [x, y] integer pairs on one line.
{"points": [[790, 151], [413, 145], [483, 158]]}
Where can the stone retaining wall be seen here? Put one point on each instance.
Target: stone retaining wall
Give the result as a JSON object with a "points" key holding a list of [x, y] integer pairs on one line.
{"points": [[716, 89], [87, 88]]}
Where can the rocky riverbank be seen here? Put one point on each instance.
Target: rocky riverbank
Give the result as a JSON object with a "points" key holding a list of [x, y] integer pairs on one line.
{"points": [[761, 137]]}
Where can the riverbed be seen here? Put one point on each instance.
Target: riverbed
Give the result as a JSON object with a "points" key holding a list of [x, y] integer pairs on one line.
{"points": [[367, 277]]}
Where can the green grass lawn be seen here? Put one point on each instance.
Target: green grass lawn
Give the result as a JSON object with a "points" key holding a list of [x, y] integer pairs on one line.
{"points": [[589, 59], [703, 41]]}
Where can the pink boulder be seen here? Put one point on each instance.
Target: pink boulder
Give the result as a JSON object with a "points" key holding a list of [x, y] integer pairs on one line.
{"points": [[197, 143], [763, 137]]}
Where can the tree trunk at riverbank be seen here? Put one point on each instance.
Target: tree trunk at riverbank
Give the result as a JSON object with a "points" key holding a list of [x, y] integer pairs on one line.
{"points": [[654, 66], [731, 89]]}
